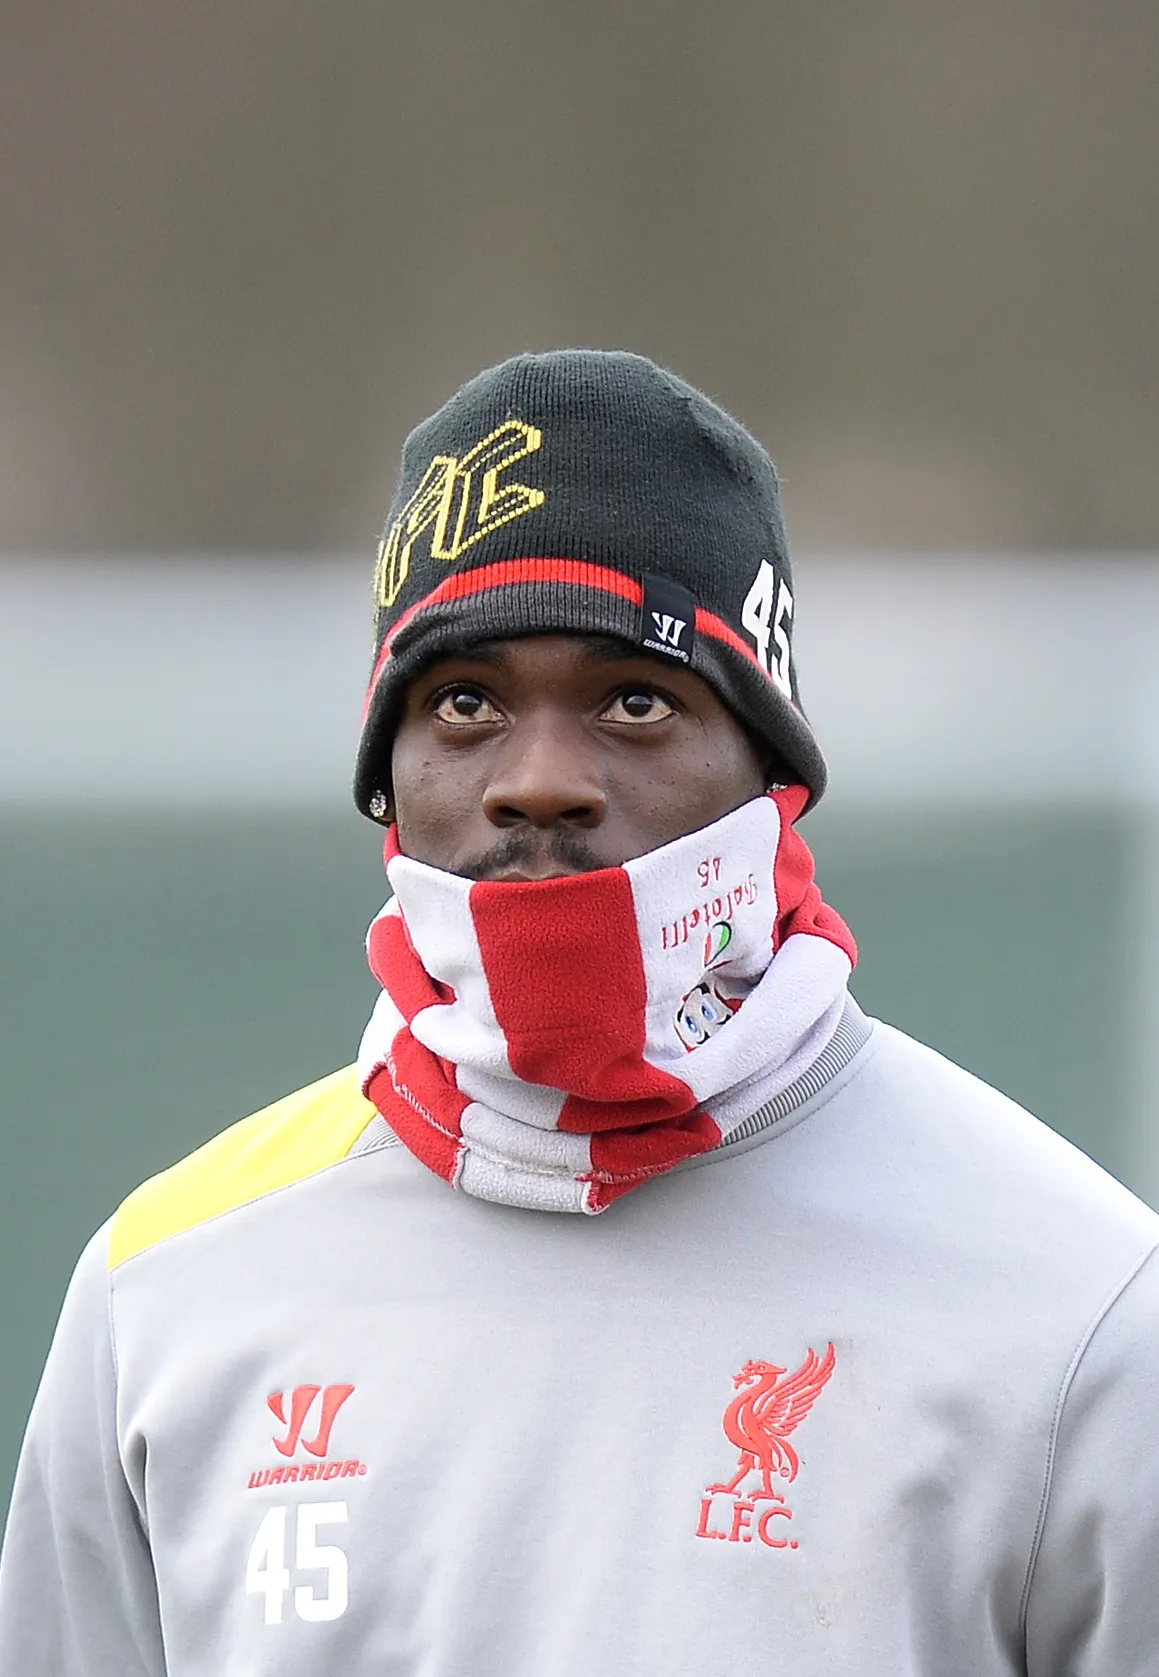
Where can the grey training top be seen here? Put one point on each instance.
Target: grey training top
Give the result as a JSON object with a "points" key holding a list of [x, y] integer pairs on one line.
{"points": [[873, 1390]]}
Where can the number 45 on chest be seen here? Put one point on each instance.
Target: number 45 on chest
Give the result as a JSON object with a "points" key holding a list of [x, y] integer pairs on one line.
{"points": [[267, 1574]]}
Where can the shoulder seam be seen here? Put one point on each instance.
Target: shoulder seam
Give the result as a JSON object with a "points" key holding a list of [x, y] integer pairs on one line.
{"points": [[1064, 1392], [295, 1138], [241, 1205]]}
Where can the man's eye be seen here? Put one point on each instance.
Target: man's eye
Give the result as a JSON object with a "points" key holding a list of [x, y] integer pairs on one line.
{"points": [[464, 704], [638, 704]]}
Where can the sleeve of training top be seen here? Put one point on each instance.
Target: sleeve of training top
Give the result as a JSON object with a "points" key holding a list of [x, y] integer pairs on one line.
{"points": [[77, 1592], [1093, 1603]]}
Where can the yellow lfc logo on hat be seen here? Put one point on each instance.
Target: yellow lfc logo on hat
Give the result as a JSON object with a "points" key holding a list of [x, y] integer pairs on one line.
{"points": [[460, 501]]}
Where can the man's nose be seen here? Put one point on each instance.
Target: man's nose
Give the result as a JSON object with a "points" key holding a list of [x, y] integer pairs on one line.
{"points": [[545, 776]]}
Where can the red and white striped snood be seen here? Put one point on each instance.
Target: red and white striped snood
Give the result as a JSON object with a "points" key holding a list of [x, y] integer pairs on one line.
{"points": [[553, 1045]]}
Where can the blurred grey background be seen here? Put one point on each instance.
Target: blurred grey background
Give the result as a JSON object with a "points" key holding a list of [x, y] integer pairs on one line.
{"points": [[243, 248]]}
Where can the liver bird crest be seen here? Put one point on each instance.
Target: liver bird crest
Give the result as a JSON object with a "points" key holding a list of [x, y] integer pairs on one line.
{"points": [[768, 1408]]}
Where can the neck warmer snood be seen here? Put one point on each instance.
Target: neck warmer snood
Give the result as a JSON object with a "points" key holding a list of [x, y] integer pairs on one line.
{"points": [[554, 1045]]}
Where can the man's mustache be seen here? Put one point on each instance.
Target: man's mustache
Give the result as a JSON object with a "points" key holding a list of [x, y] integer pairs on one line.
{"points": [[523, 852]]}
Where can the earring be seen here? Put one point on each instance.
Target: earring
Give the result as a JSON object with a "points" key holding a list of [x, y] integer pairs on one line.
{"points": [[379, 805]]}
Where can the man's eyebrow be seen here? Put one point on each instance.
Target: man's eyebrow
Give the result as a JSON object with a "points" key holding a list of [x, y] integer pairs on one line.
{"points": [[606, 649], [480, 652]]}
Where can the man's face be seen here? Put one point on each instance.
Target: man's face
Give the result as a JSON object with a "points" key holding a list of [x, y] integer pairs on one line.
{"points": [[558, 754]]}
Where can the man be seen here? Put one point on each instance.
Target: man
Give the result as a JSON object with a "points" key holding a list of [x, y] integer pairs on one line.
{"points": [[635, 1305]]}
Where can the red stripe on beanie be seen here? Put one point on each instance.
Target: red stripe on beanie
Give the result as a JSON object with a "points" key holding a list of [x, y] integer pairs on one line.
{"points": [[577, 572], [587, 1038], [709, 624]]}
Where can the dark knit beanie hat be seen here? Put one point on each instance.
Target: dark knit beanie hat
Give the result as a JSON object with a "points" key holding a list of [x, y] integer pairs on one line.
{"points": [[588, 491]]}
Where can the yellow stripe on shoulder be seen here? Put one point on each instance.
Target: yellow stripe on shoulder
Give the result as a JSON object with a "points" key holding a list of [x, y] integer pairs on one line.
{"points": [[294, 1138]]}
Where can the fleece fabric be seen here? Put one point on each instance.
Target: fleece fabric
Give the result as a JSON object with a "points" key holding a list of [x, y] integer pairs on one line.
{"points": [[554, 1045], [872, 1391]]}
